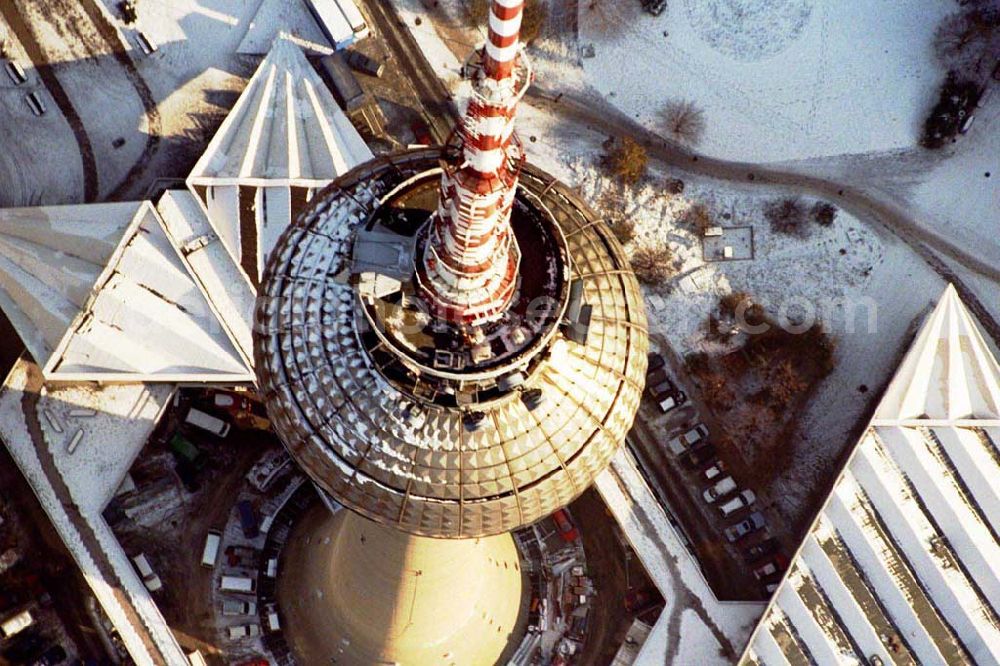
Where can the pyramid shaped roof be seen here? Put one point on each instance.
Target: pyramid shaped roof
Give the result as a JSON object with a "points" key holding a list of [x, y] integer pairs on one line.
{"points": [[101, 293], [903, 561], [286, 128], [948, 374]]}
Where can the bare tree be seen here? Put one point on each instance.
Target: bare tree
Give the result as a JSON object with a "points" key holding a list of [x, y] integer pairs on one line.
{"points": [[623, 227], [787, 216], [963, 39], [653, 264], [824, 213], [609, 17], [684, 121], [698, 218]]}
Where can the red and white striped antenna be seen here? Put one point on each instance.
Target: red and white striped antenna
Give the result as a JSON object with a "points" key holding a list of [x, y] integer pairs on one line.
{"points": [[468, 272]]}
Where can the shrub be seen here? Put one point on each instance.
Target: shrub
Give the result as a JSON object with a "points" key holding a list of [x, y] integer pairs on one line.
{"points": [[628, 160], [652, 264], [623, 228], [698, 218], [787, 216], [824, 213]]}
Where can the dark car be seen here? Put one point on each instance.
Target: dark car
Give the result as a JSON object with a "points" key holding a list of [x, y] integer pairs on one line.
{"points": [[656, 361], [362, 63], [248, 519], [762, 549], [654, 7], [695, 458], [660, 380]]}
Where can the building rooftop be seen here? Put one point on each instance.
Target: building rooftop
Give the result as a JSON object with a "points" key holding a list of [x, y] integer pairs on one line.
{"points": [[102, 292], [903, 561], [285, 129]]}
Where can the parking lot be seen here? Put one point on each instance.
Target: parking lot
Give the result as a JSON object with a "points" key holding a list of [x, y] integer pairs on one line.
{"points": [[673, 443]]}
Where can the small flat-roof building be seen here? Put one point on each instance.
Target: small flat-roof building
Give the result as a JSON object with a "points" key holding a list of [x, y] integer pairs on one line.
{"points": [[902, 565]]}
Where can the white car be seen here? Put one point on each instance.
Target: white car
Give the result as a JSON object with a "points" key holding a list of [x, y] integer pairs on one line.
{"points": [[16, 73], [721, 488], [682, 443], [744, 499], [716, 470], [244, 631]]}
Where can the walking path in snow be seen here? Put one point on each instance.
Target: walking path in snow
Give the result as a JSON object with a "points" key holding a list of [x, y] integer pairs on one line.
{"points": [[73, 480], [694, 627]]}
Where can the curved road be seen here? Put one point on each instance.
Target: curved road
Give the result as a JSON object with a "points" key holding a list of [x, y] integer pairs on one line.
{"points": [[609, 120]]}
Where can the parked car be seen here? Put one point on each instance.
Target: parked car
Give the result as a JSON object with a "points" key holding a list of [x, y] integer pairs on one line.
{"points": [[741, 501], [748, 525], [56, 654], [16, 73], [772, 567], [15, 624], [681, 443], [207, 422], [244, 631], [231, 607], [359, 62], [720, 488], [656, 361], [716, 470], [642, 599], [248, 519], [149, 578], [210, 553], [696, 457], [146, 45], [422, 133], [659, 378], [759, 550], [671, 402], [567, 530]]}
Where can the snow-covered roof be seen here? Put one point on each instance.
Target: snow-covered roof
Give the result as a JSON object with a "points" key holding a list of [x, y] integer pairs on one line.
{"points": [[101, 293], [903, 561], [225, 283], [286, 128]]}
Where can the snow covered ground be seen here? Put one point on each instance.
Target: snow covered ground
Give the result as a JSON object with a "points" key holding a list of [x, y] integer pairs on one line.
{"points": [[780, 80], [961, 196]]}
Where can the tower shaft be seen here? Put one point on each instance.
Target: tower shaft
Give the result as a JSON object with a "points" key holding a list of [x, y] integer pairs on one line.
{"points": [[470, 262]]}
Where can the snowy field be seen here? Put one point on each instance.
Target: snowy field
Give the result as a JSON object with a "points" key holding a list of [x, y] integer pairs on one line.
{"points": [[958, 197], [779, 80]]}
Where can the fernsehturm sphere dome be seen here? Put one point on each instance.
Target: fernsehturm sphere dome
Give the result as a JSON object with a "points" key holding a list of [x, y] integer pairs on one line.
{"points": [[450, 341]]}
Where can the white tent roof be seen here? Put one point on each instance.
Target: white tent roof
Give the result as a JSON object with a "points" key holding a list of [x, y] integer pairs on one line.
{"points": [[903, 561], [286, 128], [949, 373], [225, 283], [101, 293]]}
